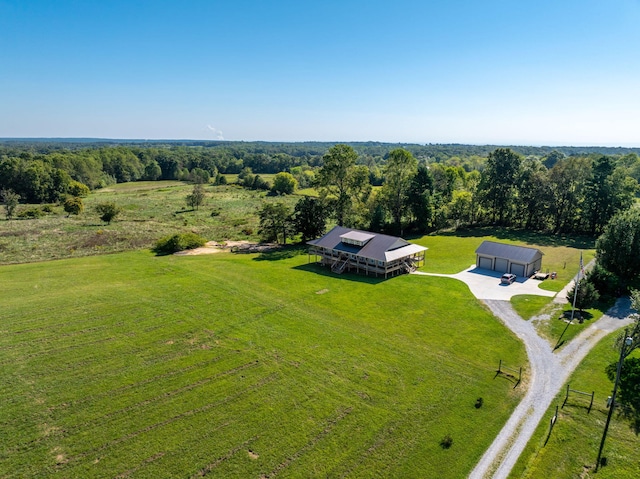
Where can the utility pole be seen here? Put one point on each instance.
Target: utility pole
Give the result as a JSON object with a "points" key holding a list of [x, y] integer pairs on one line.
{"points": [[626, 342]]}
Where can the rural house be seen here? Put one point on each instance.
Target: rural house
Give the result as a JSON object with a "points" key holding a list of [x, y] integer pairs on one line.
{"points": [[507, 258], [346, 249]]}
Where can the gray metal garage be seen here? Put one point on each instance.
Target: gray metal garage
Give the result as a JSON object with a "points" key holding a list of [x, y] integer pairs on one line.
{"points": [[507, 258]]}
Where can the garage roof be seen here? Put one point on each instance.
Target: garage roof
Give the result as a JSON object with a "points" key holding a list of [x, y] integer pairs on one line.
{"points": [[519, 254]]}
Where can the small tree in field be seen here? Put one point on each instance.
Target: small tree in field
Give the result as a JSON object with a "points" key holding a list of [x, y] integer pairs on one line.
{"points": [[196, 198], [10, 200], [587, 294], [73, 206], [107, 211]]}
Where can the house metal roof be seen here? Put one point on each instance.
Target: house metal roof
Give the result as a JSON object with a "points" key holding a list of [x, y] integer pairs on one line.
{"points": [[519, 254], [380, 247], [357, 236]]}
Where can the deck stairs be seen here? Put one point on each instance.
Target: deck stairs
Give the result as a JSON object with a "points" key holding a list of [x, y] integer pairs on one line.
{"points": [[339, 265], [408, 266]]}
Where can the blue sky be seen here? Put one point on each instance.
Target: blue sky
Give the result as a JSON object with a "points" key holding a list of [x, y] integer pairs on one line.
{"points": [[560, 72]]}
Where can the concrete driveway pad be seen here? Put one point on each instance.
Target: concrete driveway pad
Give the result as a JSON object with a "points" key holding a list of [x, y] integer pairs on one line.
{"points": [[485, 284]]}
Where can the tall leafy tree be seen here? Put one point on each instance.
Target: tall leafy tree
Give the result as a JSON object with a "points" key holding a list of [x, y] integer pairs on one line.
{"points": [[284, 183], [310, 217], [532, 205], [567, 180], [152, 171], [459, 209], [498, 183], [552, 158], [199, 176], [607, 191], [617, 249], [340, 180], [399, 171], [276, 222], [598, 194], [419, 198], [471, 182]]}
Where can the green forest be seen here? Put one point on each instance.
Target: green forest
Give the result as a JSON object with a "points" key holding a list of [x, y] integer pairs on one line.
{"points": [[396, 188]]}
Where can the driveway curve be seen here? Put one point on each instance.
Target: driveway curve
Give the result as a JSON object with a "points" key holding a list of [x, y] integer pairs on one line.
{"points": [[548, 373], [485, 284], [548, 370]]}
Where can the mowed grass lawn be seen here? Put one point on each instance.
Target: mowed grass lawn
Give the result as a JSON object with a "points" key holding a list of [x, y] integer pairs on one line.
{"points": [[451, 253], [130, 365]]}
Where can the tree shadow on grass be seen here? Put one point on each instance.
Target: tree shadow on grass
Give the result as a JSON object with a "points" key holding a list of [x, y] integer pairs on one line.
{"points": [[633, 417], [325, 271], [578, 315], [528, 237], [279, 253]]}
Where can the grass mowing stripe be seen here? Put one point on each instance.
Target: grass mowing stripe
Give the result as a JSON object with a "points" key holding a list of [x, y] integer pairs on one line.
{"points": [[155, 457], [210, 467], [389, 350], [138, 384], [175, 418], [164, 396], [330, 424]]}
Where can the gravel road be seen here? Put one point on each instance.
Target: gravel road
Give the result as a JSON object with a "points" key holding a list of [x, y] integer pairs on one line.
{"points": [[548, 372]]}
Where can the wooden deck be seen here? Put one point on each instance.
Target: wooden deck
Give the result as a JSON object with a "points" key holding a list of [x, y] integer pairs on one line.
{"points": [[340, 261]]}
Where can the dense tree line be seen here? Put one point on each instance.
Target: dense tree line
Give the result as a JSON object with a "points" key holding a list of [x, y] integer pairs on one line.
{"points": [[574, 195], [422, 187], [440, 153]]}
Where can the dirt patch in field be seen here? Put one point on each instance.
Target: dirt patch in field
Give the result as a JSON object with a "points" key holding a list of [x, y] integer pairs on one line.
{"points": [[252, 454], [243, 246]]}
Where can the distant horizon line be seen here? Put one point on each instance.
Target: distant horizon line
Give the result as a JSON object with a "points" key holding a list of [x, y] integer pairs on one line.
{"points": [[157, 140]]}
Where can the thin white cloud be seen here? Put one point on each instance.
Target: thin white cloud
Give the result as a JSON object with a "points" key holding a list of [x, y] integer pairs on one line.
{"points": [[216, 133]]}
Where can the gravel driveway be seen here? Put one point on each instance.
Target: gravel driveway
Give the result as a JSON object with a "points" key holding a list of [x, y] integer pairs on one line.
{"points": [[548, 370]]}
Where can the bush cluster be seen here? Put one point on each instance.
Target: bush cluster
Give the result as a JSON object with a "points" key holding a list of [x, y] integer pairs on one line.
{"points": [[31, 213], [178, 242]]}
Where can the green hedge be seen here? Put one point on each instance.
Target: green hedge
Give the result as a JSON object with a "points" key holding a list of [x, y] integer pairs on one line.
{"points": [[178, 242]]}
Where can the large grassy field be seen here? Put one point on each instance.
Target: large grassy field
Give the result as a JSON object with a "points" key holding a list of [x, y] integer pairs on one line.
{"points": [[235, 365], [572, 448], [150, 210], [130, 365]]}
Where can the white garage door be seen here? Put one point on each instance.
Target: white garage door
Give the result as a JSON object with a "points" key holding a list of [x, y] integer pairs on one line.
{"points": [[517, 269], [502, 265], [485, 263]]}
